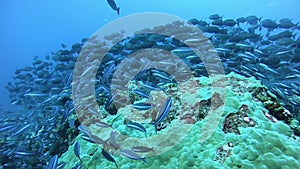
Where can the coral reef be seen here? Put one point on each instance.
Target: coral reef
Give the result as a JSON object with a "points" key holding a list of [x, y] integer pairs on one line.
{"points": [[244, 138]]}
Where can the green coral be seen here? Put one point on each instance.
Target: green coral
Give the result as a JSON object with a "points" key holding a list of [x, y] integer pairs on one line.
{"points": [[265, 145]]}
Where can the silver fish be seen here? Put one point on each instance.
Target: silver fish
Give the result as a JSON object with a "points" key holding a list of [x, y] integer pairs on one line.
{"points": [[98, 140], [162, 76], [132, 155], [223, 50], [282, 85], [103, 124], [241, 45], [113, 142], [141, 149], [21, 129], [182, 49], [36, 94], [91, 110], [260, 75], [23, 153], [259, 52], [282, 52]]}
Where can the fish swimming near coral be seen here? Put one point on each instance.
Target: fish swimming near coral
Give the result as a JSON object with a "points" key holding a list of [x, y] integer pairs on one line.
{"points": [[262, 48], [108, 157], [113, 142], [87, 138], [142, 106], [141, 149], [135, 126], [164, 110], [77, 150], [103, 124], [132, 155], [113, 5], [142, 94]]}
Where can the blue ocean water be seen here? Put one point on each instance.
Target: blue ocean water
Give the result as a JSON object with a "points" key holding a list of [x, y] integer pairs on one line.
{"points": [[35, 28], [38, 28]]}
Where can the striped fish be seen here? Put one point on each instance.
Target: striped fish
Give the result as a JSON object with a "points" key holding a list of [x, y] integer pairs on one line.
{"points": [[135, 126], [142, 94], [151, 87], [87, 138], [142, 106], [164, 110]]}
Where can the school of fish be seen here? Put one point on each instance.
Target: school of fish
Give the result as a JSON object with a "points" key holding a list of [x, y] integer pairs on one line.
{"points": [[45, 126]]}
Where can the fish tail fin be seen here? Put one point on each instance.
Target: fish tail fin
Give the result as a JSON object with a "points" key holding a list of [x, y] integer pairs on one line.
{"points": [[106, 141], [144, 159], [118, 10], [155, 125], [260, 28]]}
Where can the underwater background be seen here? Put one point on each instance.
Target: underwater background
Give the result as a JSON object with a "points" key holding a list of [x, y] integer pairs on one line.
{"points": [[41, 75]]}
